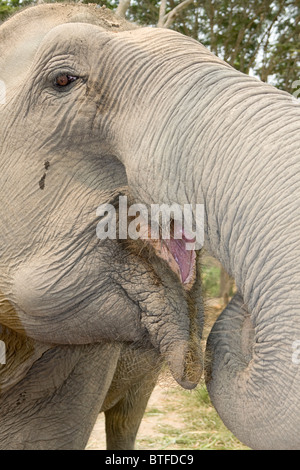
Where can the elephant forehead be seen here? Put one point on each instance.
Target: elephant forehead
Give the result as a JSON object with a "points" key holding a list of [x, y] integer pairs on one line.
{"points": [[21, 35], [74, 37], [91, 18]]}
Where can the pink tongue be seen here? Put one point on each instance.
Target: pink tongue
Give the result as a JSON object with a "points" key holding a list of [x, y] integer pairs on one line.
{"points": [[174, 252], [183, 257]]}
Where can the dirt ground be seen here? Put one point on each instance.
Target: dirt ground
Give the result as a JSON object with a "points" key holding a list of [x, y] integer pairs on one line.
{"points": [[154, 422]]}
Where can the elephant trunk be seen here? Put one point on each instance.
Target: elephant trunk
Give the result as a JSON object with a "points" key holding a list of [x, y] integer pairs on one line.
{"points": [[184, 360], [178, 338], [183, 355], [253, 375]]}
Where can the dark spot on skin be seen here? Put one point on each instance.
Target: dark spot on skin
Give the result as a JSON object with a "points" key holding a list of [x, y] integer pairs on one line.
{"points": [[42, 181]]}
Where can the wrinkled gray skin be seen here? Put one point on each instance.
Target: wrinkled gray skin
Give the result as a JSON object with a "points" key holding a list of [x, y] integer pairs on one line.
{"points": [[188, 129], [86, 322]]}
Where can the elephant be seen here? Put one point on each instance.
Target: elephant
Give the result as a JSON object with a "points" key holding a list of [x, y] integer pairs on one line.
{"points": [[188, 129], [87, 322]]}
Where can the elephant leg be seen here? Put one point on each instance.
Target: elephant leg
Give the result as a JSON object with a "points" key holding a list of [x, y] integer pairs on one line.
{"points": [[122, 421], [56, 405], [135, 377]]}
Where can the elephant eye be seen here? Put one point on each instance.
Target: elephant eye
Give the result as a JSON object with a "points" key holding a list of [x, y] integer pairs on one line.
{"points": [[64, 80]]}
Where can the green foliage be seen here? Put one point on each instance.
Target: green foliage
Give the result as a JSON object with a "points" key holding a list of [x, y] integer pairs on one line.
{"points": [[211, 281], [281, 56], [7, 7], [112, 5], [144, 12], [5, 10]]}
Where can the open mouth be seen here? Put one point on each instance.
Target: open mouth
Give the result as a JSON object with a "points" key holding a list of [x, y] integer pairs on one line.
{"points": [[170, 241], [177, 253]]}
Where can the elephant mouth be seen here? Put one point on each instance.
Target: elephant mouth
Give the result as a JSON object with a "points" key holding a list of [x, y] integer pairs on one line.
{"points": [[177, 250], [175, 253]]}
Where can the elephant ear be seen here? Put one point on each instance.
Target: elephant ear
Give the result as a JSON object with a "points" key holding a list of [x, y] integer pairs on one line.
{"points": [[18, 354]]}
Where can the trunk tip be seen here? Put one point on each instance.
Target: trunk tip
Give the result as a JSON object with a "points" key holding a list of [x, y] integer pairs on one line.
{"points": [[185, 362], [186, 384]]}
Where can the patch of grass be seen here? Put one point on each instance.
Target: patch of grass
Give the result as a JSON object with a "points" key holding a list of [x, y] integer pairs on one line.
{"points": [[211, 280], [204, 424], [154, 412], [202, 428]]}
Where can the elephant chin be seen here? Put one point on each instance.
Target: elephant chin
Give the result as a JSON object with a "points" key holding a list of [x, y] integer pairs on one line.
{"points": [[185, 363]]}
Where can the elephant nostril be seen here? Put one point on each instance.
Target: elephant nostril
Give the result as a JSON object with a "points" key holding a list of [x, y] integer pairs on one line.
{"points": [[185, 362]]}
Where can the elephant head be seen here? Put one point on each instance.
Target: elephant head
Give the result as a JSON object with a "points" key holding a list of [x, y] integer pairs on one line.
{"points": [[59, 283], [188, 129]]}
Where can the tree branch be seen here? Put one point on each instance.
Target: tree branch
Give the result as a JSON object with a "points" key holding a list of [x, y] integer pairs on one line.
{"points": [[170, 17], [123, 7], [266, 36], [162, 13]]}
